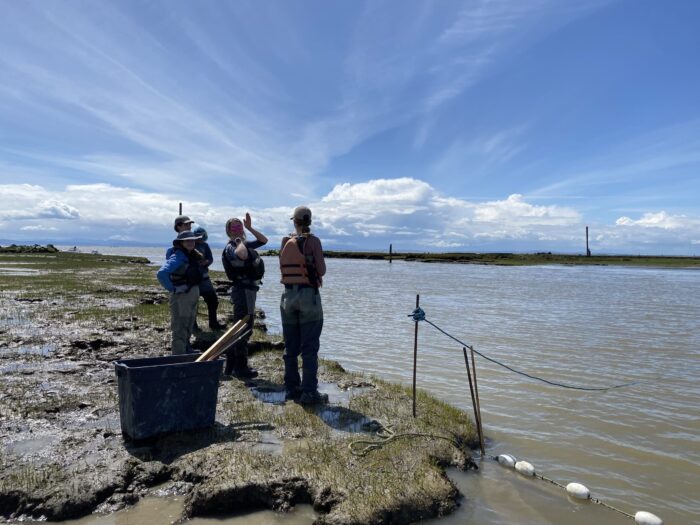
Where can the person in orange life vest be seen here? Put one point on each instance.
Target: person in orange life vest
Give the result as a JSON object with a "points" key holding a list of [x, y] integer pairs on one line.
{"points": [[241, 263], [302, 267]]}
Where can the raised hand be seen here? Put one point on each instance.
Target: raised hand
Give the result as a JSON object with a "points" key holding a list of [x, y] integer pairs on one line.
{"points": [[248, 222]]}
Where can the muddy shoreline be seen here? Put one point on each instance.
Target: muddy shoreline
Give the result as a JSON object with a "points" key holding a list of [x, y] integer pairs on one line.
{"points": [[63, 454]]}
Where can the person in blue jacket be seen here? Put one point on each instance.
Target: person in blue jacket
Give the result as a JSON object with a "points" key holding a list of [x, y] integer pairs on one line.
{"points": [[206, 288], [180, 275]]}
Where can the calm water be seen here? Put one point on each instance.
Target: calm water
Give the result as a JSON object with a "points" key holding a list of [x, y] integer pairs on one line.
{"points": [[637, 448]]}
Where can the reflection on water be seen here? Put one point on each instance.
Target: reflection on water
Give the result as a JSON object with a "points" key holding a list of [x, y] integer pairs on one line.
{"points": [[636, 448]]}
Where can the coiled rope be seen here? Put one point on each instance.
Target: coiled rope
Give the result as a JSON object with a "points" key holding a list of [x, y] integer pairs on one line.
{"points": [[387, 435], [419, 315]]}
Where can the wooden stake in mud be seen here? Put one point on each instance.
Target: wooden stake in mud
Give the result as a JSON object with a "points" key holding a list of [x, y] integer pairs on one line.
{"points": [[478, 405], [415, 357], [477, 416]]}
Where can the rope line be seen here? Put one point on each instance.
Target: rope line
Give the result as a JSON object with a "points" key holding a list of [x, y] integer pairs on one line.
{"points": [[419, 315], [591, 498], [387, 435]]}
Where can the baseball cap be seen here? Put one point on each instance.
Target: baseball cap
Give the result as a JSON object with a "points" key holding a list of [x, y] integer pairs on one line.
{"points": [[301, 213], [182, 219]]}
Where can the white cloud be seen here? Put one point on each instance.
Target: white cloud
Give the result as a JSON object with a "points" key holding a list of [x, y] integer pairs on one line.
{"points": [[515, 210], [405, 211], [659, 220], [37, 228]]}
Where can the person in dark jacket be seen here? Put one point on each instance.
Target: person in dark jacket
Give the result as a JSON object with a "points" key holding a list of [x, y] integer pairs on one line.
{"points": [[206, 288], [180, 275], [241, 262]]}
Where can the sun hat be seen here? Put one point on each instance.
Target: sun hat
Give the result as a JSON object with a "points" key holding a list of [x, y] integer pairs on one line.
{"points": [[186, 236]]}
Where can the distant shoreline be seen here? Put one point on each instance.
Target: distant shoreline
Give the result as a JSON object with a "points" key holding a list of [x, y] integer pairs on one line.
{"points": [[492, 258], [526, 259]]}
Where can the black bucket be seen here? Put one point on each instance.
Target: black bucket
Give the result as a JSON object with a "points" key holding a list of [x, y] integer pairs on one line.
{"points": [[160, 395]]}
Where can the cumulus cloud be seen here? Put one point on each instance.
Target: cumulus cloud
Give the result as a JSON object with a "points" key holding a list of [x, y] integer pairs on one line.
{"points": [[661, 231], [407, 212], [659, 220], [27, 202]]}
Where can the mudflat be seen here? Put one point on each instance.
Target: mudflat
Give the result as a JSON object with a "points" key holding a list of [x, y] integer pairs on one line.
{"points": [[66, 317]]}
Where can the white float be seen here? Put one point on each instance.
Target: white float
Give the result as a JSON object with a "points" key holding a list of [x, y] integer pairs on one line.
{"points": [[525, 468], [647, 518], [578, 491], [507, 460]]}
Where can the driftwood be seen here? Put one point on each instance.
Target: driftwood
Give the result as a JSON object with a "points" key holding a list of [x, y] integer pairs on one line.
{"points": [[224, 341]]}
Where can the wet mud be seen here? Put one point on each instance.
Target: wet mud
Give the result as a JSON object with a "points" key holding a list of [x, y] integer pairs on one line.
{"points": [[63, 455]]}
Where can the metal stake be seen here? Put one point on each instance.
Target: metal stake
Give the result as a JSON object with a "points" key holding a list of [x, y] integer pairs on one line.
{"points": [[478, 405], [477, 416], [415, 357]]}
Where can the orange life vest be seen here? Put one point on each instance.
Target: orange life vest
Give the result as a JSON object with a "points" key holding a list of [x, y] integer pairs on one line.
{"points": [[294, 266]]}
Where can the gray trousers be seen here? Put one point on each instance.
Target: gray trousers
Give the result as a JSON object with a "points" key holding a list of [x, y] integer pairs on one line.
{"points": [[243, 300], [302, 322], [183, 311]]}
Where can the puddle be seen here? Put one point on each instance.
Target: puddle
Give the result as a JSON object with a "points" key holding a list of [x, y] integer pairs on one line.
{"points": [[35, 365], [107, 422], [343, 419], [165, 511], [26, 448], [270, 443], [336, 396], [19, 271], [340, 396], [270, 395], [44, 350]]}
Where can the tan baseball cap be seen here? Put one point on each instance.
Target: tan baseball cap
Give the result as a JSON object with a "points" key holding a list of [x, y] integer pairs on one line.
{"points": [[301, 213]]}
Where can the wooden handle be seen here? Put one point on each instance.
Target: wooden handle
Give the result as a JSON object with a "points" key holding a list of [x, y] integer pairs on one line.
{"points": [[216, 353], [230, 333]]}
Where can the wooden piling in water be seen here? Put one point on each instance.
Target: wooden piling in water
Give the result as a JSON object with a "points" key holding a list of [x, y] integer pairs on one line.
{"points": [[415, 357], [180, 212], [390, 253]]}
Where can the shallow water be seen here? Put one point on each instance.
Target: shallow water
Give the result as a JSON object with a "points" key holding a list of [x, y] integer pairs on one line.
{"points": [[636, 448], [165, 511]]}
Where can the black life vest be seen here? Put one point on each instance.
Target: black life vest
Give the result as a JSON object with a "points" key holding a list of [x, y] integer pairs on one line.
{"points": [[188, 273], [251, 271]]}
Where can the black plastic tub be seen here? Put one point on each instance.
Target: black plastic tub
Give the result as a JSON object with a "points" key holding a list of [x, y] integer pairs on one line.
{"points": [[160, 395]]}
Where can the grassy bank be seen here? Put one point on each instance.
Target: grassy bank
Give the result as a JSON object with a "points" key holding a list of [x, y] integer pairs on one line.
{"points": [[67, 316], [526, 259]]}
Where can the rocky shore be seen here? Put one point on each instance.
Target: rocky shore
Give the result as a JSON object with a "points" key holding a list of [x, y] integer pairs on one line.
{"points": [[69, 316]]}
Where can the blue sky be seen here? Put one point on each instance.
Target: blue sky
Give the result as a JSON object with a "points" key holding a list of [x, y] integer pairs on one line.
{"points": [[472, 125]]}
